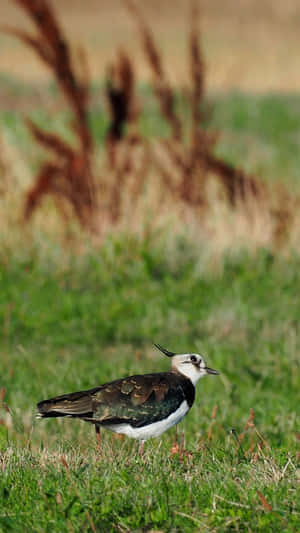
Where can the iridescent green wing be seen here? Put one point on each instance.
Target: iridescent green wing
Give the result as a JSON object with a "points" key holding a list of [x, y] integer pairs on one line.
{"points": [[137, 400]]}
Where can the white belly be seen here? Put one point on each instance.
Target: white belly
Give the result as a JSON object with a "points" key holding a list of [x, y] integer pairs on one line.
{"points": [[152, 430]]}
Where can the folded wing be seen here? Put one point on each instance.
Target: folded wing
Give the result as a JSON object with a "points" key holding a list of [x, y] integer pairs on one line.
{"points": [[138, 400]]}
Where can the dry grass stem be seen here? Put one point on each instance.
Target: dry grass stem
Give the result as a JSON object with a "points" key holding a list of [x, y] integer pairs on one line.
{"points": [[69, 173], [212, 199]]}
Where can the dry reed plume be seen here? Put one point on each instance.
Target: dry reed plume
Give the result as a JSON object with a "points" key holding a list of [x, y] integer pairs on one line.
{"points": [[120, 93], [68, 173], [192, 161], [161, 87], [180, 166]]}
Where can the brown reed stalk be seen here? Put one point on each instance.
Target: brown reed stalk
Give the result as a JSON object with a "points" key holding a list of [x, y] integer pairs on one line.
{"points": [[190, 187], [140, 170], [249, 424], [197, 70], [264, 502], [122, 140], [213, 416], [195, 160], [120, 94], [161, 86], [68, 173], [2, 402], [117, 187], [237, 183], [186, 159]]}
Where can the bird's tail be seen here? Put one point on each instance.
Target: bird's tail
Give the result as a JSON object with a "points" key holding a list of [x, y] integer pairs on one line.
{"points": [[76, 404]]}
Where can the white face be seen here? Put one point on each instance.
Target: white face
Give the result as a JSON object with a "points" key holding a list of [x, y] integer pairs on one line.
{"points": [[191, 365]]}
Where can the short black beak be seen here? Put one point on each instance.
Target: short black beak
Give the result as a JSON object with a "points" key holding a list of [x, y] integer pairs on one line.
{"points": [[211, 371]]}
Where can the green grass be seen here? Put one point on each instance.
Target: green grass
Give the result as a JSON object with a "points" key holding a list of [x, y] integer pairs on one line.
{"points": [[69, 323], [76, 325], [261, 133]]}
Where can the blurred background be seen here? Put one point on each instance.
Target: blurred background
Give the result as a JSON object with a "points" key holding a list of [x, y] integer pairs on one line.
{"points": [[149, 192], [239, 90], [248, 45]]}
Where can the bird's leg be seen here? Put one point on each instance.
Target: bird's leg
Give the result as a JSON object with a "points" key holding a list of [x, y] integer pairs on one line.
{"points": [[98, 436], [141, 448]]}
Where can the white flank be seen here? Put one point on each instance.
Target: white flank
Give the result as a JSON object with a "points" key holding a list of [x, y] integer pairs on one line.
{"points": [[152, 430]]}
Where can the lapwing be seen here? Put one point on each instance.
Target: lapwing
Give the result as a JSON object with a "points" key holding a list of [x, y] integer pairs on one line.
{"points": [[140, 406]]}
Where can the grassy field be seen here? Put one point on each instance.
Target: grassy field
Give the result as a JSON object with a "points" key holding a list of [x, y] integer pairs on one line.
{"points": [[70, 322], [73, 326]]}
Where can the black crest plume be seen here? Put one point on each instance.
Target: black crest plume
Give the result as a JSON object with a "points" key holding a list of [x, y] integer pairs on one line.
{"points": [[163, 350]]}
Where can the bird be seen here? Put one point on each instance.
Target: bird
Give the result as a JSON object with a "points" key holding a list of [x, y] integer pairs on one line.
{"points": [[139, 406]]}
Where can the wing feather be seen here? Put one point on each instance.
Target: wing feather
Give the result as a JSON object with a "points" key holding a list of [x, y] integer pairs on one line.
{"points": [[137, 399]]}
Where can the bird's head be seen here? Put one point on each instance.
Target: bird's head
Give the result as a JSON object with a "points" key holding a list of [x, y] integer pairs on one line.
{"points": [[191, 365]]}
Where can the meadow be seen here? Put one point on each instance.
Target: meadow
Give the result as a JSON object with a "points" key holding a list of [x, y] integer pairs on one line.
{"points": [[83, 305], [70, 321]]}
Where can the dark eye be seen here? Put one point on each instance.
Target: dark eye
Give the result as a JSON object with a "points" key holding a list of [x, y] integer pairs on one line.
{"points": [[193, 359]]}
